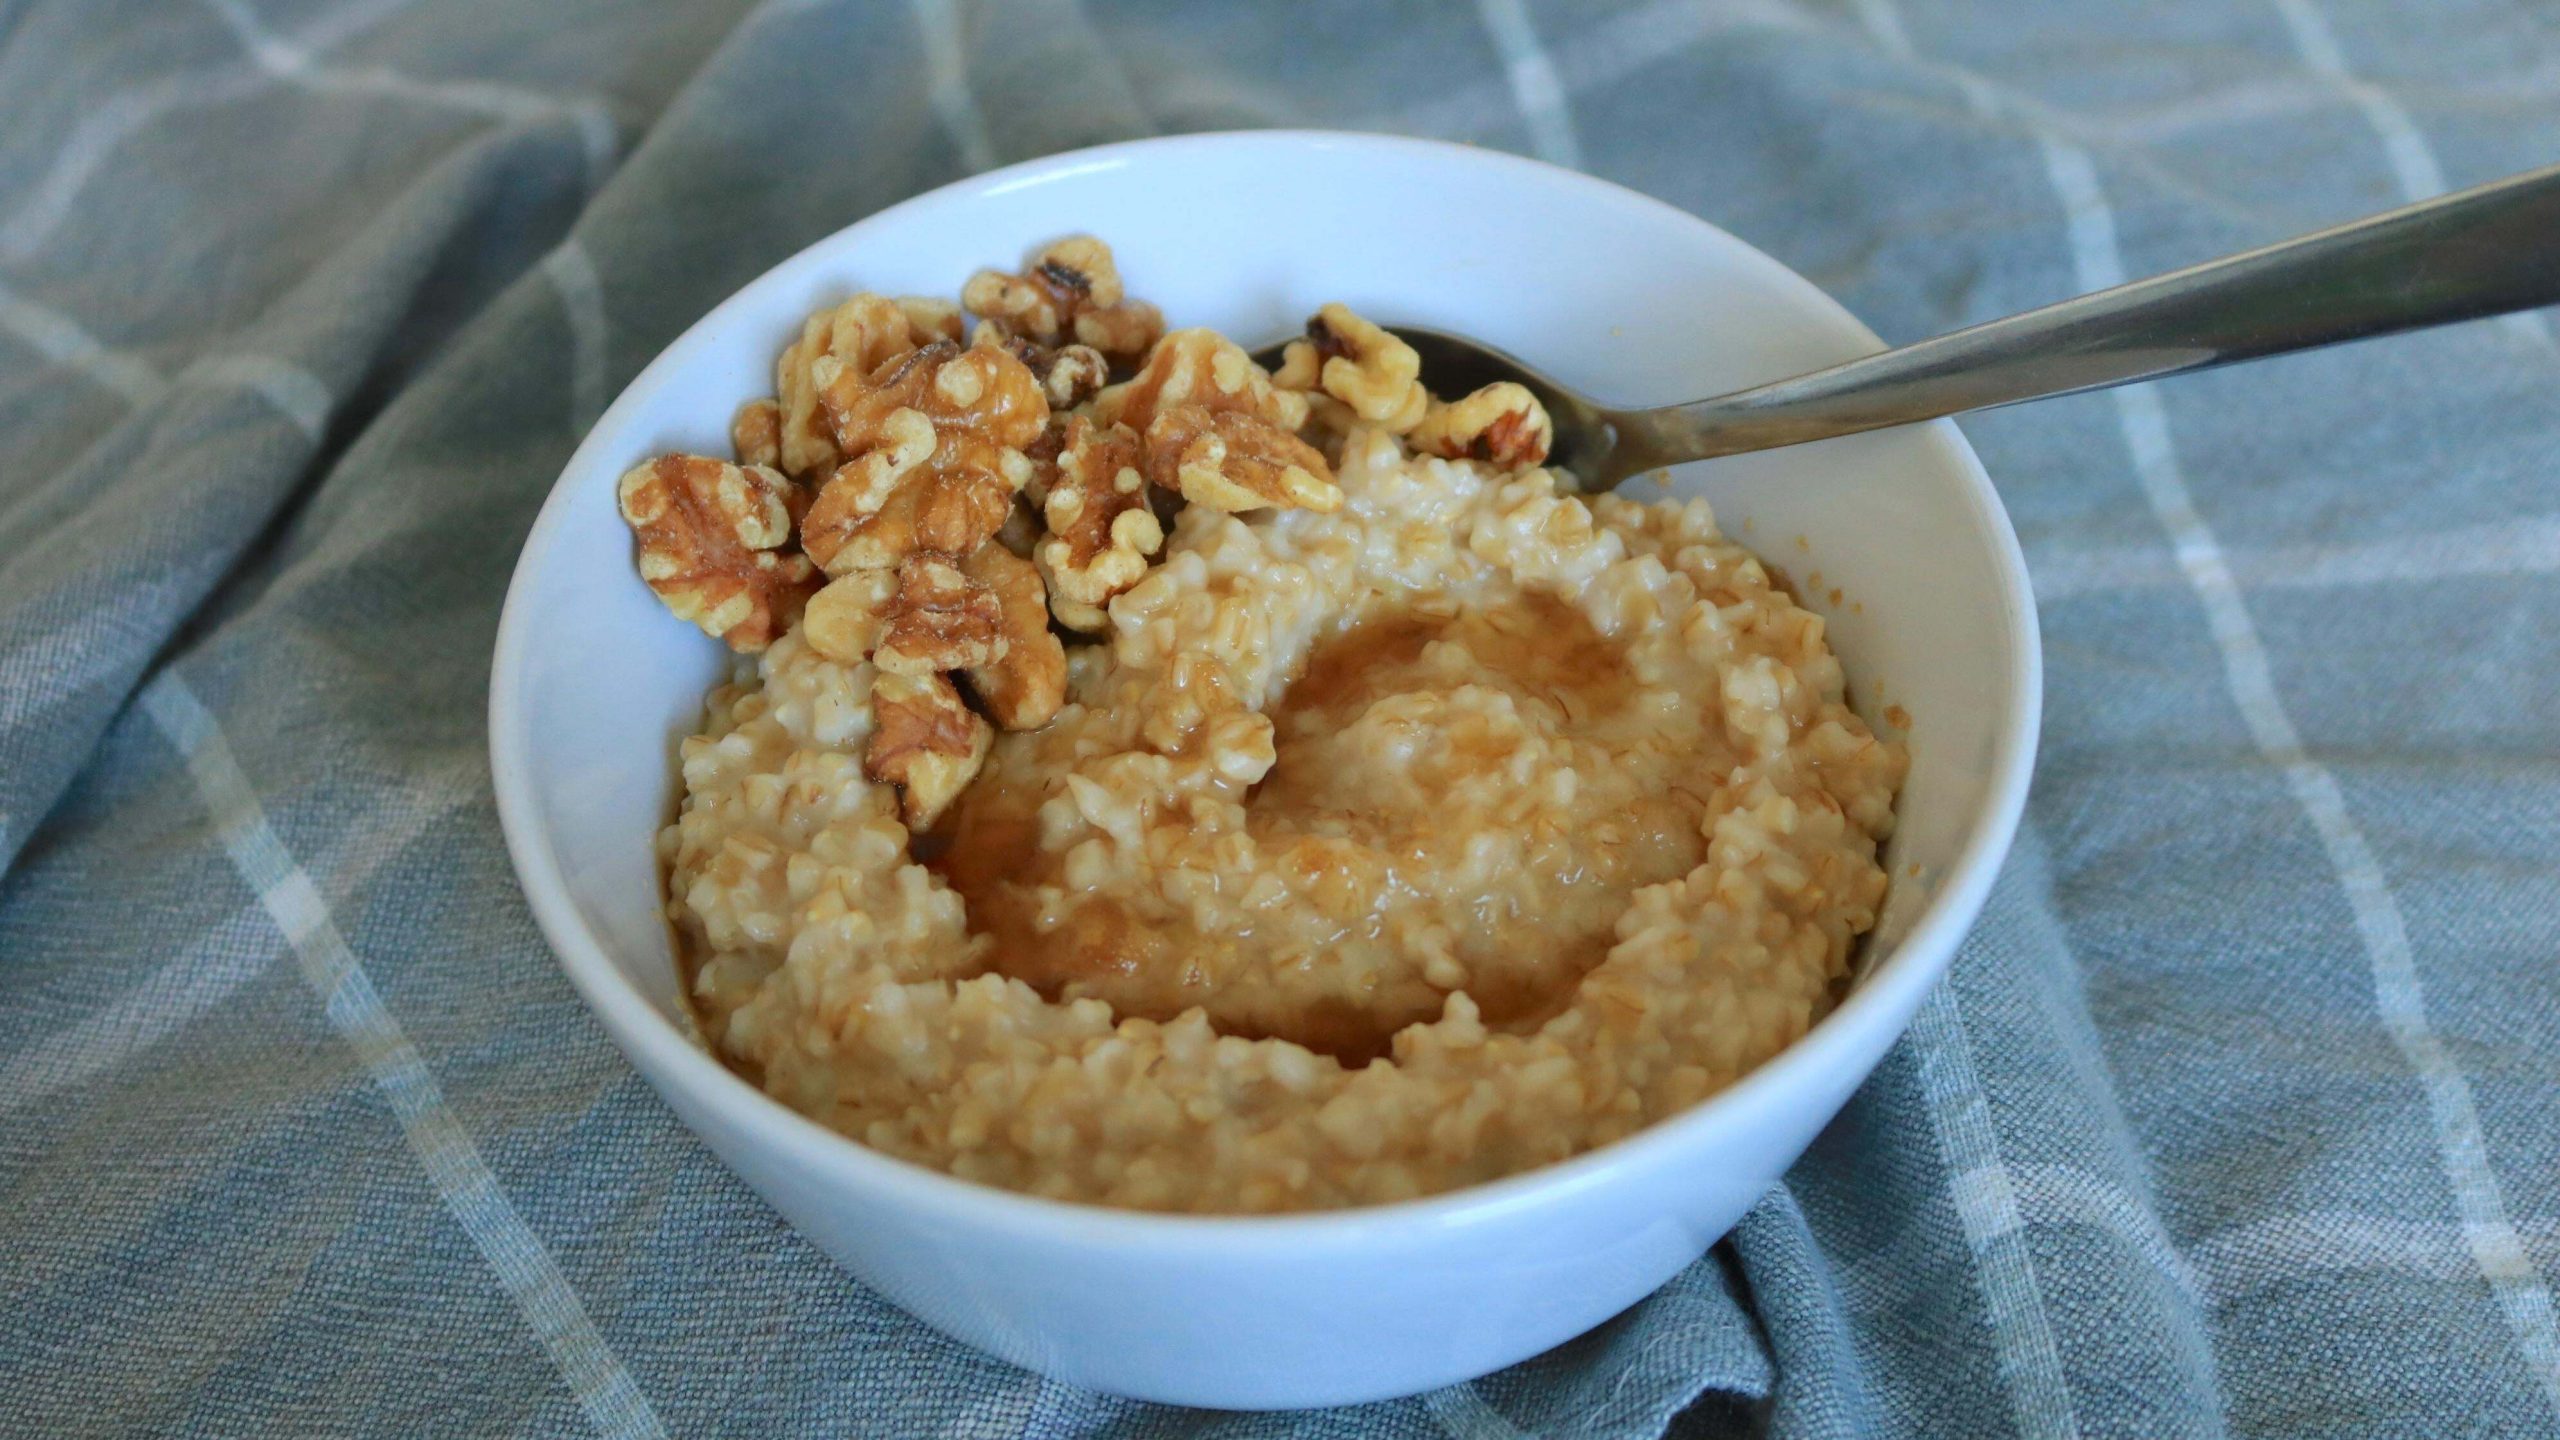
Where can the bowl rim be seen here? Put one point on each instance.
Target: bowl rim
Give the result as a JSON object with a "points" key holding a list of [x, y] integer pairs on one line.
{"points": [[669, 1057]]}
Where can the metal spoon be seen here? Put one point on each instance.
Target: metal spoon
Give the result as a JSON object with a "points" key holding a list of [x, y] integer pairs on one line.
{"points": [[2488, 250]]}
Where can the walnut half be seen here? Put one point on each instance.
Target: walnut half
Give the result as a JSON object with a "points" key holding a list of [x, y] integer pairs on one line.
{"points": [[1363, 367], [935, 437], [923, 618], [1069, 293], [863, 333], [1022, 688], [1502, 424], [1230, 460], [925, 741], [1101, 531], [715, 545]]}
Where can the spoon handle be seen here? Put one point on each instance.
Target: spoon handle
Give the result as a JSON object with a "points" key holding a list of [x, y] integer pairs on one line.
{"points": [[2488, 250]]}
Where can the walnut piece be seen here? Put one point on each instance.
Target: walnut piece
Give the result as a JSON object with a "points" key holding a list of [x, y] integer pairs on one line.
{"points": [[938, 619], [862, 333], [935, 439], [1101, 531], [1502, 423], [755, 432], [1232, 460], [925, 741], [1023, 688], [1374, 375], [1070, 292], [1204, 369], [930, 319], [843, 620], [714, 541], [1069, 375]]}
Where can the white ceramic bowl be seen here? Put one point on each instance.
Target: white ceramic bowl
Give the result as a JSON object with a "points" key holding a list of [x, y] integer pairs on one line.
{"points": [[1631, 299]]}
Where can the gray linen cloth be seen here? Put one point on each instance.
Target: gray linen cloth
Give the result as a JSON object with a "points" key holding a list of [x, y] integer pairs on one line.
{"points": [[2238, 1116]]}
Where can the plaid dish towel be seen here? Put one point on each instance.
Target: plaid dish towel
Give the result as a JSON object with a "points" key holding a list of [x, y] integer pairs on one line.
{"points": [[2239, 1116]]}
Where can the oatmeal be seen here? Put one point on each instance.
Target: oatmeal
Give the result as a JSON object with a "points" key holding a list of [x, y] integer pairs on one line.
{"points": [[1394, 819]]}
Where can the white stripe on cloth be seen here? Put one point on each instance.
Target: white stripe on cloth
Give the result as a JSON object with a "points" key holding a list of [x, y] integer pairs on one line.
{"points": [[209, 970], [1986, 1201], [2272, 1250], [1606, 52], [462, 1179], [111, 121], [1986, 1193], [294, 393], [1534, 86], [199, 977], [2498, 1253], [2098, 258], [2231, 1264], [947, 83], [2050, 1194], [598, 138], [573, 274], [2413, 161], [2529, 545], [2397, 992], [296, 62], [60, 339]]}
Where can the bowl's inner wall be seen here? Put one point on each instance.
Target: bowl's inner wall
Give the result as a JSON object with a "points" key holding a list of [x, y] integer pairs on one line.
{"points": [[1629, 300]]}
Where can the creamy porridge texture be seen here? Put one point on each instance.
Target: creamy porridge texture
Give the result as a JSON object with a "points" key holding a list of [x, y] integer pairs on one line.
{"points": [[1405, 821]]}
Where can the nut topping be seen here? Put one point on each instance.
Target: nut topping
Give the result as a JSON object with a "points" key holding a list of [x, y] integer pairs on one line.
{"points": [[1360, 365], [935, 434], [713, 540], [755, 432], [938, 619], [1200, 368], [1232, 460], [860, 334], [1502, 423], [1023, 688], [1069, 293], [1101, 531], [924, 741]]}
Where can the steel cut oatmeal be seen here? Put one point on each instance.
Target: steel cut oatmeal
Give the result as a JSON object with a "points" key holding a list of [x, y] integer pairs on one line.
{"points": [[1231, 790]]}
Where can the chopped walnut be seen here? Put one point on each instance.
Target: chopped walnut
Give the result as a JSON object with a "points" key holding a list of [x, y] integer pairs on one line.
{"points": [[1069, 375], [1101, 530], [1070, 292], [978, 401], [1075, 374], [938, 619], [1376, 376], [1202, 369], [1023, 688], [861, 334], [843, 621], [925, 741], [755, 432], [1231, 460], [1043, 455], [1502, 423], [713, 543], [932, 319], [935, 436]]}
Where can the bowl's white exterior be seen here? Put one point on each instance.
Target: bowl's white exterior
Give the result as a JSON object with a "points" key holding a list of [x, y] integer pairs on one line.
{"points": [[1626, 297]]}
